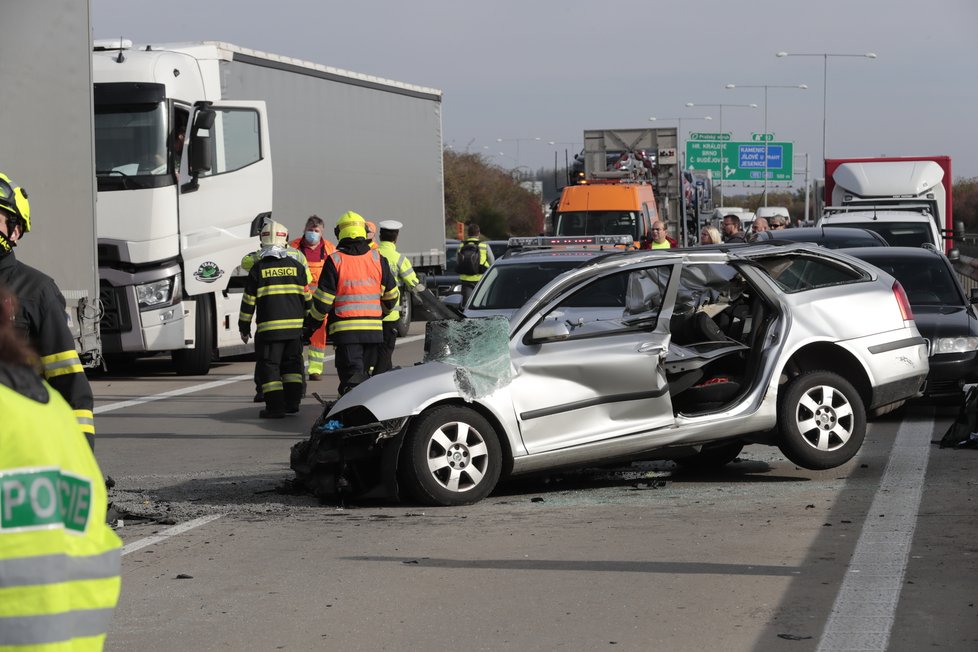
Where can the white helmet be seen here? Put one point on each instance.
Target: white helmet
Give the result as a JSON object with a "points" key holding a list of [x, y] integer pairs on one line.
{"points": [[274, 234]]}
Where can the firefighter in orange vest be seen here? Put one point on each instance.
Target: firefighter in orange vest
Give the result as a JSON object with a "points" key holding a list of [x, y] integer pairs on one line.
{"points": [[356, 289], [316, 249], [372, 234]]}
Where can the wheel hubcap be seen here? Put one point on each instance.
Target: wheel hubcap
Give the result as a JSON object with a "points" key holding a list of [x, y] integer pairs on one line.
{"points": [[824, 418], [457, 456]]}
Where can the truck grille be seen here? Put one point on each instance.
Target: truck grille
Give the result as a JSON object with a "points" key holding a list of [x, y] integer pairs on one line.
{"points": [[115, 315]]}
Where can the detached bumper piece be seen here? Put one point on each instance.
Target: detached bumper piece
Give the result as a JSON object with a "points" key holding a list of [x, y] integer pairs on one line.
{"points": [[340, 463]]}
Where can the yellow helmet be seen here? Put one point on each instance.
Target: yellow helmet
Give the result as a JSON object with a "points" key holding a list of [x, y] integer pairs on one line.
{"points": [[350, 225], [273, 234], [13, 200]]}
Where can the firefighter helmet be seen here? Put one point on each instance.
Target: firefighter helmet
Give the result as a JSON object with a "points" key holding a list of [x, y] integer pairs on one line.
{"points": [[274, 234], [13, 200], [351, 225]]}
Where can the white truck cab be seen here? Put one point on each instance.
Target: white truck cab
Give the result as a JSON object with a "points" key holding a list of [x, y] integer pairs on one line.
{"points": [[182, 179]]}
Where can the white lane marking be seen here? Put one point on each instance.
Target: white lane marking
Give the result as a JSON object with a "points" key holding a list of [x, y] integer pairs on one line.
{"points": [[111, 407], [863, 613], [166, 534]]}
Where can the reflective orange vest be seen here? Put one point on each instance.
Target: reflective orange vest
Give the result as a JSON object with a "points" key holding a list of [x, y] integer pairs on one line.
{"points": [[315, 267], [359, 285]]}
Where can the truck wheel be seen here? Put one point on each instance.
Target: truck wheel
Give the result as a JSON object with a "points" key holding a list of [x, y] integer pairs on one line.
{"points": [[822, 421], [197, 361], [404, 323], [451, 457]]}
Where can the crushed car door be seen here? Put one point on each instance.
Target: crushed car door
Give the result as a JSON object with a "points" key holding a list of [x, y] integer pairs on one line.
{"points": [[591, 367]]}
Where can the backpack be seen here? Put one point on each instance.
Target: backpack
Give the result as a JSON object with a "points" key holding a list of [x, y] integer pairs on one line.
{"points": [[469, 260]]}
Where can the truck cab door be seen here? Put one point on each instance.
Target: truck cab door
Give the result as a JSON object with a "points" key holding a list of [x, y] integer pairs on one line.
{"points": [[230, 182]]}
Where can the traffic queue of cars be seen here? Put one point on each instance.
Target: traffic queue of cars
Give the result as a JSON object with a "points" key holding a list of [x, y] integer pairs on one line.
{"points": [[683, 354]]}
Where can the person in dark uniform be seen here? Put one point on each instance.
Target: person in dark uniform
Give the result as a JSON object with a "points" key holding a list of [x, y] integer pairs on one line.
{"points": [[276, 290], [356, 289], [42, 314]]}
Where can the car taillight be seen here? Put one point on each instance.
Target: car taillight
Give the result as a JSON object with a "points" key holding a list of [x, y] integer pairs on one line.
{"points": [[902, 301]]}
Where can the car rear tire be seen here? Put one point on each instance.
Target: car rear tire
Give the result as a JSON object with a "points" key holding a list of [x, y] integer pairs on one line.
{"points": [[822, 421], [451, 457], [712, 456]]}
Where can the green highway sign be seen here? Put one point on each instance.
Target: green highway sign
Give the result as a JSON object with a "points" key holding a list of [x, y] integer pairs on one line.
{"points": [[706, 135], [761, 137], [741, 161]]}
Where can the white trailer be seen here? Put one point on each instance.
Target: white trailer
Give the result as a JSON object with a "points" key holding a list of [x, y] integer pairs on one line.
{"points": [[47, 133], [174, 221]]}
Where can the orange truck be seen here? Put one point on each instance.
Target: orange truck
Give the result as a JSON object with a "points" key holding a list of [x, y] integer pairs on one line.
{"points": [[613, 195], [606, 207]]}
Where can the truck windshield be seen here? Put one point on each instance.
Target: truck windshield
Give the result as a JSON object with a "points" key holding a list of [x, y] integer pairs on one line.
{"points": [[130, 145], [597, 223]]}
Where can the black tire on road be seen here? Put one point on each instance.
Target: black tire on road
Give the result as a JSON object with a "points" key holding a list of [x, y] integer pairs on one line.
{"points": [[451, 457], [822, 421], [197, 361], [713, 456]]}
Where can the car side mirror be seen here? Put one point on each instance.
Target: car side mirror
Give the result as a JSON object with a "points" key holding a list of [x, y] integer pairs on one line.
{"points": [[954, 255], [974, 295], [550, 330], [959, 230], [453, 300]]}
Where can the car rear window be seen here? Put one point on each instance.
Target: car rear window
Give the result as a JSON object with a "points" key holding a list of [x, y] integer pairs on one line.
{"points": [[897, 234], [927, 282], [800, 272]]}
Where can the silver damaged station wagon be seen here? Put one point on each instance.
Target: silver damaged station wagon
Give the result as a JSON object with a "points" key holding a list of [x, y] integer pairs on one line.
{"points": [[682, 354]]}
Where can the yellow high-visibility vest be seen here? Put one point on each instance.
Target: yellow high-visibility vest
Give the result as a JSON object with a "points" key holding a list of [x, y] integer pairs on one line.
{"points": [[59, 561]]}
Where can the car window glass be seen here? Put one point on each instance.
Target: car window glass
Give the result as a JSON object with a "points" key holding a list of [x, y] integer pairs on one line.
{"points": [[506, 287], [615, 302], [800, 272], [927, 282]]}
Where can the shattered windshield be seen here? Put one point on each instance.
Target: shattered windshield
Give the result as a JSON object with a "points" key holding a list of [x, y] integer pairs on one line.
{"points": [[477, 348]]}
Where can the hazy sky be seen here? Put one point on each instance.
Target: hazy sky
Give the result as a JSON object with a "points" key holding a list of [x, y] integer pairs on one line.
{"points": [[550, 69]]}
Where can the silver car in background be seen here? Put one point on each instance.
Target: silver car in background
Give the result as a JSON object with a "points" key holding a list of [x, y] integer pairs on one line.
{"points": [[671, 354]]}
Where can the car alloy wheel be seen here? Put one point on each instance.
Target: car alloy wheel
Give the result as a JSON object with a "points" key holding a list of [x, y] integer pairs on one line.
{"points": [[452, 457], [822, 420]]}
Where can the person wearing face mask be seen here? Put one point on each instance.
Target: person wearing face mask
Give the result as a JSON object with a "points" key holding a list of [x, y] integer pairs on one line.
{"points": [[316, 249]]}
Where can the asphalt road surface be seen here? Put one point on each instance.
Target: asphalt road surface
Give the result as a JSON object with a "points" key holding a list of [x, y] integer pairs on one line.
{"points": [[881, 554]]}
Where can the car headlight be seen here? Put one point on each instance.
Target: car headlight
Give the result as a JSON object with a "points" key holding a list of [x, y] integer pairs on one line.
{"points": [[955, 344], [158, 293]]}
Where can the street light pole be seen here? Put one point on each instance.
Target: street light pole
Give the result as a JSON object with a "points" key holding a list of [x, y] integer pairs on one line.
{"points": [[825, 78], [766, 141], [722, 158]]}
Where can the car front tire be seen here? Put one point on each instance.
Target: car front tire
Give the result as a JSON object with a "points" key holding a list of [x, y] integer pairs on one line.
{"points": [[452, 457], [822, 421]]}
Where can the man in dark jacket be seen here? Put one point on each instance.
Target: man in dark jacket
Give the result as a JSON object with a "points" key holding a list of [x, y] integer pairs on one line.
{"points": [[356, 289], [732, 231], [276, 290], [42, 314]]}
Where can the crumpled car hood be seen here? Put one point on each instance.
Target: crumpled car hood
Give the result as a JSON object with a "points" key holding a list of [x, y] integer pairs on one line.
{"points": [[401, 392]]}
